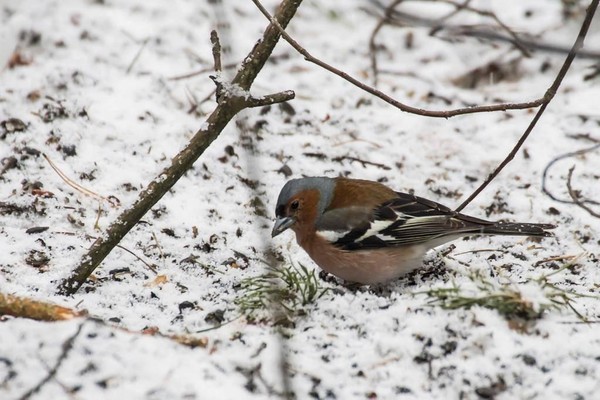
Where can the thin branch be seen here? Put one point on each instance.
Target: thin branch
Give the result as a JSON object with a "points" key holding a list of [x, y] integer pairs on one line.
{"points": [[216, 50], [401, 106], [148, 265], [67, 346], [22, 307], [372, 45], [137, 55], [575, 196], [363, 162], [554, 161], [516, 40], [231, 65], [270, 99], [439, 23], [201, 71], [403, 19], [550, 93], [77, 186]]}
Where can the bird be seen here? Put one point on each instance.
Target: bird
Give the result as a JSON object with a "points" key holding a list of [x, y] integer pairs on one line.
{"points": [[366, 233]]}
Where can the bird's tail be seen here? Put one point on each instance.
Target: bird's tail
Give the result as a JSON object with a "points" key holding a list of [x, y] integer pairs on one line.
{"points": [[518, 229]]}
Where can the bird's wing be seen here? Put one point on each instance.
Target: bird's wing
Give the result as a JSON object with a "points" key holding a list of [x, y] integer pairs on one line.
{"points": [[403, 220]]}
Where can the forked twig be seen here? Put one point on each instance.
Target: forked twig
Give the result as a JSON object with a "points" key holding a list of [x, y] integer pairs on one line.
{"points": [[575, 196], [554, 161]]}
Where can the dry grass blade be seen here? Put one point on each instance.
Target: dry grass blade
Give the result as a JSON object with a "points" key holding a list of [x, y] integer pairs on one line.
{"points": [[77, 186]]}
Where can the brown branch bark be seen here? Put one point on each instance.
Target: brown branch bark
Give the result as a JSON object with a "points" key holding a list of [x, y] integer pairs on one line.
{"points": [[228, 106], [23, 307], [550, 93], [216, 50]]}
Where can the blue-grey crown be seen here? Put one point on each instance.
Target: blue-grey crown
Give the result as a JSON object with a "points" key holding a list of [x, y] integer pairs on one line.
{"points": [[324, 185]]}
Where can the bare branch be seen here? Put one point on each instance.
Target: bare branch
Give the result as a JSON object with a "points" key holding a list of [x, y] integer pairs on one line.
{"points": [[515, 39], [113, 201], [137, 55], [575, 196], [377, 93], [270, 99], [372, 45], [548, 96], [200, 72], [66, 348], [23, 307], [554, 161], [403, 19], [226, 109], [216, 50]]}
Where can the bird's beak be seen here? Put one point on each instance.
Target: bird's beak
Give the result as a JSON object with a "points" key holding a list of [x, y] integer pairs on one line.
{"points": [[281, 224]]}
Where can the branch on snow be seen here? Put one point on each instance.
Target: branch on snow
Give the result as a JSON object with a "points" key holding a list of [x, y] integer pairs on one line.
{"points": [[228, 105]]}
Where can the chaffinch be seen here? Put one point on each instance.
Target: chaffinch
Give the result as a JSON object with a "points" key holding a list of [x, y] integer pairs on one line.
{"points": [[364, 232]]}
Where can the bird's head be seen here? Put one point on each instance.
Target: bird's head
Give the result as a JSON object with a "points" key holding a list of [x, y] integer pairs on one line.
{"points": [[301, 202]]}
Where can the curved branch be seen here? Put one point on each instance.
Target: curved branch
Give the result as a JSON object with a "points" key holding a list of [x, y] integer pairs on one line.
{"points": [[575, 196], [401, 106], [550, 93], [554, 161]]}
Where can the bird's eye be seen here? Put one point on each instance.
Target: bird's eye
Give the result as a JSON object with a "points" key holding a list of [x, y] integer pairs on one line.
{"points": [[294, 205]]}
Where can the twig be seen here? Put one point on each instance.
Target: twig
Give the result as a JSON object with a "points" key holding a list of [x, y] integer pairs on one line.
{"points": [[216, 50], [550, 93], [151, 267], [372, 45], [137, 55], [23, 307], [516, 40], [439, 23], [148, 265], [76, 186], [401, 106], [557, 258], [98, 215], [554, 161], [572, 261], [159, 247], [201, 71], [66, 348], [225, 66], [363, 162], [269, 99], [403, 19], [575, 196], [194, 103]]}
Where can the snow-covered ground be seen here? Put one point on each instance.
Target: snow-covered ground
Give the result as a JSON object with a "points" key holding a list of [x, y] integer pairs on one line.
{"points": [[110, 120]]}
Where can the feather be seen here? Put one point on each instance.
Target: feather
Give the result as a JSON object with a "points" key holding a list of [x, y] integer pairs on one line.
{"points": [[411, 220]]}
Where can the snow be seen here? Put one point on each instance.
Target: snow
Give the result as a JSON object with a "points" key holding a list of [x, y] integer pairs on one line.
{"points": [[116, 130]]}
